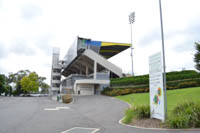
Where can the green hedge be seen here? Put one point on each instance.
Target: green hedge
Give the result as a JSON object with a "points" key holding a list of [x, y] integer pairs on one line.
{"points": [[139, 84], [144, 79], [118, 92], [145, 88], [183, 84], [137, 80]]}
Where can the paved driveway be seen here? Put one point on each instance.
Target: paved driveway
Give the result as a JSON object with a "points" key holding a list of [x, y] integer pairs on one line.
{"points": [[41, 115]]}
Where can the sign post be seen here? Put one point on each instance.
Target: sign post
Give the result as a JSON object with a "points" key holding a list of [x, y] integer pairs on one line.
{"points": [[157, 90]]}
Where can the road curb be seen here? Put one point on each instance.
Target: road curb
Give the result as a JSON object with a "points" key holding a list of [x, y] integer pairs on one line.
{"points": [[164, 129]]}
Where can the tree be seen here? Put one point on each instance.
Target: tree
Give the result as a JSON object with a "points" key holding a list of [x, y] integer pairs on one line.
{"points": [[8, 88], [197, 56], [16, 78], [2, 84], [30, 83], [43, 85], [44, 88]]}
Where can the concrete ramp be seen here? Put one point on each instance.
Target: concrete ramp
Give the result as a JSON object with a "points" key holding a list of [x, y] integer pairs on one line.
{"points": [[103, 61]]}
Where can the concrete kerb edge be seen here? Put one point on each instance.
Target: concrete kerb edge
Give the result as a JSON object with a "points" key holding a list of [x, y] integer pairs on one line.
{"points": [[164, 129]]}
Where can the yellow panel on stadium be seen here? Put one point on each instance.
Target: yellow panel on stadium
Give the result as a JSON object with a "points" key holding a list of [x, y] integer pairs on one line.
{"points": [[114, 44]]}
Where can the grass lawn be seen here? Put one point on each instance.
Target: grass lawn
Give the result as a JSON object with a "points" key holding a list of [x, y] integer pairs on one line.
{"points": [[173, 97]]}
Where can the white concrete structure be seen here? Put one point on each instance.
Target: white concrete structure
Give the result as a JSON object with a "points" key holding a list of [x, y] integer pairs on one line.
{"points": [[85, 68], [102, 61], [91, 84], [55, 72]]}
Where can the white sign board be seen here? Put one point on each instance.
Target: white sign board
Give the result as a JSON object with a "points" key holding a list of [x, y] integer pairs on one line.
{"points": [[156, 87]]}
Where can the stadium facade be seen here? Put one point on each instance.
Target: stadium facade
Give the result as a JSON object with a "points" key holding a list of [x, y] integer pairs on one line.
{"points": [[85, 69]]}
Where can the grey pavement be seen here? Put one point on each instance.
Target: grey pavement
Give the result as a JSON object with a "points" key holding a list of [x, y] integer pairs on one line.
{"points": [[27, 115]]}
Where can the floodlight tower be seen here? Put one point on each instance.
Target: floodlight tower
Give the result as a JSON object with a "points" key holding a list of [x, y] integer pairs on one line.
{"points": [[131, 21]]}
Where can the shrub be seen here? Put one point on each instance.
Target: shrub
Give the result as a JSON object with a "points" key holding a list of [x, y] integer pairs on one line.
{"points": [[138, 112], [129, 114], [179, 121], [145, 88], [188, 84], [142, 111], [183, 84], [67, 98], [123, 91], [185, 115], [105, 90]]}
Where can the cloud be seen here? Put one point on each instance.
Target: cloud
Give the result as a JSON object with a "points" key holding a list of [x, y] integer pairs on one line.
{"points": [[3, 50], [181, 39], [184, 47], [44, 44], [2, 56], [21, 47], [2, 70], [150, 37], [41, 24], [47, 65], [29, 12], [190, 36], [0, 3], [193, 31]]}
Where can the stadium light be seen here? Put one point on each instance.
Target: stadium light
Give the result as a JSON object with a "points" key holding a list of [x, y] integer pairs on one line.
{"points": [[131, 21]]}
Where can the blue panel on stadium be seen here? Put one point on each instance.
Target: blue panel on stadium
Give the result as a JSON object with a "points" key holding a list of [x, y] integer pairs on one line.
{"points": [[97, 43]]}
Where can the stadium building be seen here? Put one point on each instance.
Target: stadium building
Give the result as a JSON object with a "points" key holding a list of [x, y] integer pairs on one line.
{"points": [[85, 69]]}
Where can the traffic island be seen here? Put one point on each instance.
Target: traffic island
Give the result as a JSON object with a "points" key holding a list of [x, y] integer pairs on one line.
{"points": [[185, 115]]}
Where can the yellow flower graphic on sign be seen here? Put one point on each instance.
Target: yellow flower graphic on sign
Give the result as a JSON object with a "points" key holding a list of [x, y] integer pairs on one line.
{"points": [[159, 92]]}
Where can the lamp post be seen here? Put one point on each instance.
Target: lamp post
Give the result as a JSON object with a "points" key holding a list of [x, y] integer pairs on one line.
{"points": [[131, 21], [163, 55]]}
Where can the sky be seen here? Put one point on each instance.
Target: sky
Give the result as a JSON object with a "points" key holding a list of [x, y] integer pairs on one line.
{"points": [[29, 29]]}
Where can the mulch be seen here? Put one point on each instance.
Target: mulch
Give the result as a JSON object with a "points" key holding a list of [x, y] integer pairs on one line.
{"points": [[148, 123]]}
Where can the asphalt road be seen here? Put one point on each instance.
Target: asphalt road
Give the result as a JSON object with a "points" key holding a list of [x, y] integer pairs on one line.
{"points": [[40, 115]]}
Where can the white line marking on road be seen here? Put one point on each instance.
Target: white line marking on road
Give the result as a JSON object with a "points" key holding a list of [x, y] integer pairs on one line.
{"points": [[51, 109], [74, 128], [57, 108], [95, 130], [62, 107]]}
